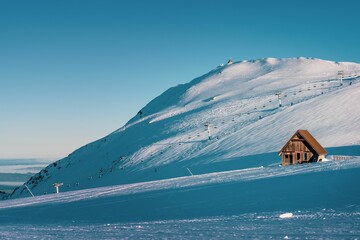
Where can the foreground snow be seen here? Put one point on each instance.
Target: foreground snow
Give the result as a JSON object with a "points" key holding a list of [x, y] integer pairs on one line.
{"points": [[315, 224], [322, 199]]}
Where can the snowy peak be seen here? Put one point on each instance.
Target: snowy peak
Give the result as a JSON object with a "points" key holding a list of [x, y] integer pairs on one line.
{"points": [[245, 108], [250, 78]]}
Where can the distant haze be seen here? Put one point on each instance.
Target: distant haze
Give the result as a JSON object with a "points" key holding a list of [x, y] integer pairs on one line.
{"points": [[15, 172]]}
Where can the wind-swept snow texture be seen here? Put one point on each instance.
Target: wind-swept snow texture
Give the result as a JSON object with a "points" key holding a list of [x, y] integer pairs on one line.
{"points": [[331, 184], [323, 199], [239, 105]]}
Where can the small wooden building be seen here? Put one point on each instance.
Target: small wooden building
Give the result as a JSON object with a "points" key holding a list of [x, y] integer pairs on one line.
{"points": [[301, 148]]}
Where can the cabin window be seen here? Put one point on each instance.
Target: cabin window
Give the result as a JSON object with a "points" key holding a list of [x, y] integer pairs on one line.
{"points": [[305, 156]]}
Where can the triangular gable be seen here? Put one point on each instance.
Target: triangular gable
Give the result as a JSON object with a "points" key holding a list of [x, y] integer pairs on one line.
{"points": [[309, 139], [312, 141]]}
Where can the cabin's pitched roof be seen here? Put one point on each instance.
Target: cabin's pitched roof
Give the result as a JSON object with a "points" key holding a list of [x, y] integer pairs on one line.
{"points": [[310, 140]]}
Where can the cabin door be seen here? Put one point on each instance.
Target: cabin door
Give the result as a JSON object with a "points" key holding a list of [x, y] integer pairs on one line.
{"points": [[291, 159]]}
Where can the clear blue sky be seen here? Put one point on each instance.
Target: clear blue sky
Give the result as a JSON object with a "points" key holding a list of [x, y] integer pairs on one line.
{"points": [[73, 71]]}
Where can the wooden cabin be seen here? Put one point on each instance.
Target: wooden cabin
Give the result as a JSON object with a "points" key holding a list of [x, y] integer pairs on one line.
{"points": [[301, 148]]}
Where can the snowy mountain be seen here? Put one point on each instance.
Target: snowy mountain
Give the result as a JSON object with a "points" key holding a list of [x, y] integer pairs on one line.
{"points": [[200, 161], [213, 122]]}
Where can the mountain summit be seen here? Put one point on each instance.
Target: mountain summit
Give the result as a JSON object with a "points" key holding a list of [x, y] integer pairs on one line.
{"points": [[235, 110]]}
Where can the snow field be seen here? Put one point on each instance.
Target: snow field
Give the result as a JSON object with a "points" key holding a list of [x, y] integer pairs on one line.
{"points": [[242, 175]]}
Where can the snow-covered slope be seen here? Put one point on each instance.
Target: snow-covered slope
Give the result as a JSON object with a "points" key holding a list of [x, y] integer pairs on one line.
{"points": [[331, 184], [322, 198], [239, 104]]}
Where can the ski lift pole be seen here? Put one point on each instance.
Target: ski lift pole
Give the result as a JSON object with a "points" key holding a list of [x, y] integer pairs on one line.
{"points": [[340, 76], [190, 172], [207, 125], [279, 98], [56, 186]]}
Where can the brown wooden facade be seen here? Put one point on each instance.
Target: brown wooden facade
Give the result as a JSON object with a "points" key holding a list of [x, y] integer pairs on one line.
{"points": [[301, 148]]}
